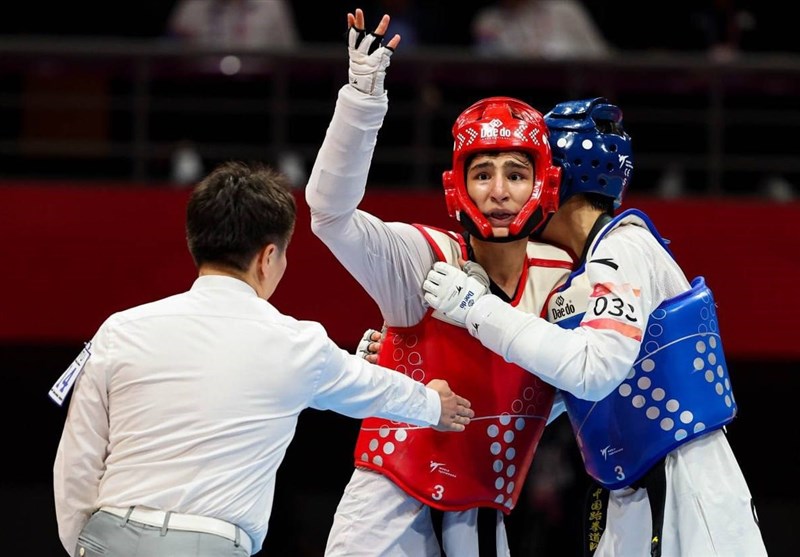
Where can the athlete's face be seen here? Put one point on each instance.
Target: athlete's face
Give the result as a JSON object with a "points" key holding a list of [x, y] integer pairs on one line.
{"points": [[500, 184]]}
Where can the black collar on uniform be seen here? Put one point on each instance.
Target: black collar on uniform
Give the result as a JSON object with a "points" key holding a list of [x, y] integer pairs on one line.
{"points": [[493, 288], [601, 221]]}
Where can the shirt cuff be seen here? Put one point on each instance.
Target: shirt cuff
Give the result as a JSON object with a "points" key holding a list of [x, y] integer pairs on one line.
{"points": [[434, 407]]}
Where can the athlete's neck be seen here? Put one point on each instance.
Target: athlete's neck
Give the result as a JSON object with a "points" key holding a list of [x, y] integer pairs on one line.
{"points": [[571, 225], [503, 262]]}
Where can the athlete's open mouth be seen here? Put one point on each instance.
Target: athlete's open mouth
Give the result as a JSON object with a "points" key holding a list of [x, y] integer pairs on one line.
{"points": [[500, 218]]}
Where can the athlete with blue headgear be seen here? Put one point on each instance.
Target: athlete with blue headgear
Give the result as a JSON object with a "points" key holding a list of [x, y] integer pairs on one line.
{"points": [[634, 348]]}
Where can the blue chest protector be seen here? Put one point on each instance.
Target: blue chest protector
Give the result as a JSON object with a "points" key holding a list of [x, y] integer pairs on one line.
{"points": [[678, 389]]}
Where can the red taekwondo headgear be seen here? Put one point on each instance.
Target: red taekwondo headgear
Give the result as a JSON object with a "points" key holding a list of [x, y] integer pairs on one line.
{"points": [[502, 124]]}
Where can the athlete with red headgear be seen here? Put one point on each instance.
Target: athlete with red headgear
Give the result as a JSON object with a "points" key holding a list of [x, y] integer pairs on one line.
{"points": [[501, 188]]}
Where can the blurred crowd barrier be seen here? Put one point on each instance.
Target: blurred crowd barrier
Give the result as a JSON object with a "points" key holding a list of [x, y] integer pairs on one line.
{"points": [[149, 111]]}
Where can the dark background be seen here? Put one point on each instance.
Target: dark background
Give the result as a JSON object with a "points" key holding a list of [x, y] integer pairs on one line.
{"points": [[676, 25]]}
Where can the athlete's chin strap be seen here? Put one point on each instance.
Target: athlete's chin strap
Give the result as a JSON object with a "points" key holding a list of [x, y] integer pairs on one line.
{"points": [[533, 226]]}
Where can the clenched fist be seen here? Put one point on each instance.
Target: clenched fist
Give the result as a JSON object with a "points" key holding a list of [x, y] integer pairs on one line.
{"points": [[453, 291]]}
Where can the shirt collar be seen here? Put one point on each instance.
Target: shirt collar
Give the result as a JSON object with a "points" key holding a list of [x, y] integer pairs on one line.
{"points": [[206, 282]]}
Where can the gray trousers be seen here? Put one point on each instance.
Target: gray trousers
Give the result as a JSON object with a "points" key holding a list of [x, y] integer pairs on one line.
{"points": [[108, 535]]}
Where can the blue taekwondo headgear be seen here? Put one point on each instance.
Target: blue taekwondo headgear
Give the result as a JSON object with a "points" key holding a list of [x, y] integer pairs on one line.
{"points": [[589, 143]]}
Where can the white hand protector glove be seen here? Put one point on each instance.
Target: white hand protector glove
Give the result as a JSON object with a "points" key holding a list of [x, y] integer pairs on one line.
{"points": [[454, 292], [362, 350], [368, 61]]}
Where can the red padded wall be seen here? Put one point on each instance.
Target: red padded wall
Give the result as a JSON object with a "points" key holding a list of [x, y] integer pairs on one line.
{"points": [[74, 253]]}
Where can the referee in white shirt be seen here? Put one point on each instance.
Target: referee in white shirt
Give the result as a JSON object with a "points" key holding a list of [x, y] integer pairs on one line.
{"points": [[183, 408]]}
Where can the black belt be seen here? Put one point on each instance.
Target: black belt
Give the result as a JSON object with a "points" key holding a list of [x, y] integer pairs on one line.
{"points": [[487, 530], [596, 509]]}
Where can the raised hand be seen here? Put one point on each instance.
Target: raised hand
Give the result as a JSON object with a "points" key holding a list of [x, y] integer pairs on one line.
{"points": [[369, 58], [452, 291], [456, 410]]}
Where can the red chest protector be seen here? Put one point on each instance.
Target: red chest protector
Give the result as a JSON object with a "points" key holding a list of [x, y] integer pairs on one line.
{"points": [[486, 465]]}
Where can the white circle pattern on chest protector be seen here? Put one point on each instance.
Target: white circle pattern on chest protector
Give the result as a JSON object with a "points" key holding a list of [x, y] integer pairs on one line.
{"points": [[501, 430], [657, 403]]}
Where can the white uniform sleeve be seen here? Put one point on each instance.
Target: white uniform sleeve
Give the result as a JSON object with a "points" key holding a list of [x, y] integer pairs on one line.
{"points": [[354, 387], [80, 458], [592, 360], [389, 260]]}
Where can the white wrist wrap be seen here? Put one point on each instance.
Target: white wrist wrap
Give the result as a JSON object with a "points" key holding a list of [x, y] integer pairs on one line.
{"points": [[483, 323]]}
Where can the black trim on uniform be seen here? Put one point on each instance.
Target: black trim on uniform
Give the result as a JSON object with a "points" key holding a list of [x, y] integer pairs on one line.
{"points": [[601, 221]]}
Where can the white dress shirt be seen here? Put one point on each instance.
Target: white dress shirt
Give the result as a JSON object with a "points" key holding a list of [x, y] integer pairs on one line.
{"points": [[188, 404]]}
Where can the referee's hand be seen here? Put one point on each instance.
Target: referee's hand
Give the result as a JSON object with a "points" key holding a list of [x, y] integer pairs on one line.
{"points": [[456, 410]]}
